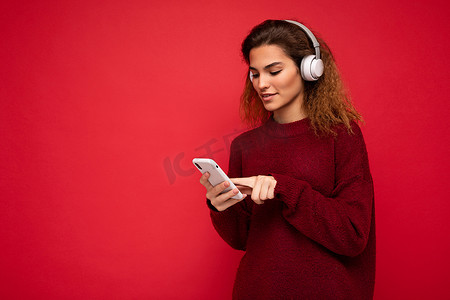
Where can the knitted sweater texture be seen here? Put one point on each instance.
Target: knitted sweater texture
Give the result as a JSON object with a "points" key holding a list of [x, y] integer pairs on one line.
{"points": [[316, 238]]}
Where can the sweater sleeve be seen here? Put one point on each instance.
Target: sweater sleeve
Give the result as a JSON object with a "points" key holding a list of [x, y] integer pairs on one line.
{"points": [[341, 223], [233, 223]]}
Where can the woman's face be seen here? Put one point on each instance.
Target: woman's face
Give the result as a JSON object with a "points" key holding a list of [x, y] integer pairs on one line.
{"points": [[277, 80]]}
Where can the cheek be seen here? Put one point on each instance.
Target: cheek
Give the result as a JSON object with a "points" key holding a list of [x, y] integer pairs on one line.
{"points": [[291, 82]]}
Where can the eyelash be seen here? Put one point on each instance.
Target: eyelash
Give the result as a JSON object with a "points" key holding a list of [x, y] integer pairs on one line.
{"points": [[271, 73]]}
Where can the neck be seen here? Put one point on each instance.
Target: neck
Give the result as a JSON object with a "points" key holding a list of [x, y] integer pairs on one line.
{"points": [[290, 115]]}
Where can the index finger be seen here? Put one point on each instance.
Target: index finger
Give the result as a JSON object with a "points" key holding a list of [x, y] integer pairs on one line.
{"points": [[205, 182], [246, 181]]}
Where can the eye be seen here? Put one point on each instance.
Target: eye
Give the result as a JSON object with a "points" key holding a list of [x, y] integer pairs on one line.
{"points": [[255, 75], [275, 73]]}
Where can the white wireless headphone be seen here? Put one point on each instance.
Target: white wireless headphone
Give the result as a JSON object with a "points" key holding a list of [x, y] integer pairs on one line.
{"points": [[311, 67]]}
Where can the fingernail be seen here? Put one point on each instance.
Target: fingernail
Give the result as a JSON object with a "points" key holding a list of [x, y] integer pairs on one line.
{"points": [[206, 174], [235, 191], [226, 184]]}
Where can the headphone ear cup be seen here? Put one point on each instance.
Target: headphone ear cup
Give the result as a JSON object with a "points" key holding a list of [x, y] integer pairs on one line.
{"points": [[311, 68], [317, 68]]}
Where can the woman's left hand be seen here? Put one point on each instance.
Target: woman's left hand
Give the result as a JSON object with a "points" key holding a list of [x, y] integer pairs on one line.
{"points": [[260, 187]]}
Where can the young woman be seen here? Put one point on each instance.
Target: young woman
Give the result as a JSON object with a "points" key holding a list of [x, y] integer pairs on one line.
{"points": [[307, 223]]}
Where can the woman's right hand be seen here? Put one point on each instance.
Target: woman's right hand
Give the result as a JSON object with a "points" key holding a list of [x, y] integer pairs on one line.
{"points": [[213, 193]]}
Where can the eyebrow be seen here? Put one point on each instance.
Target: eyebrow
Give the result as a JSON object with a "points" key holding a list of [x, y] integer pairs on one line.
{"points": [[268, 66]]}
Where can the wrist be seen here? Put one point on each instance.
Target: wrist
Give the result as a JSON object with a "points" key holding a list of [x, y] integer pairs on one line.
{"points": [[211, 207]]}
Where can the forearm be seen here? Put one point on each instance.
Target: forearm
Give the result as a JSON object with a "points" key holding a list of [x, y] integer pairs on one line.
{"points": [[232, 225], [341, 222]]}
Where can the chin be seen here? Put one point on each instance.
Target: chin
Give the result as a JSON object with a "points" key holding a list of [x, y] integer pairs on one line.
{"points": [[270, 107]]}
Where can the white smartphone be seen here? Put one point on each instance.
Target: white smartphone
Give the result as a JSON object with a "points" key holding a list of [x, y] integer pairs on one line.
{"points": [[216, 175]]}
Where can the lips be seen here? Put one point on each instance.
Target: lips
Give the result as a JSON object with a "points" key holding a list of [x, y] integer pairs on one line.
{"points": [[267, 96]]}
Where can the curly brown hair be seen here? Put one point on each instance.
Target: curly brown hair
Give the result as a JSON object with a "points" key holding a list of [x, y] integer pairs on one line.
{"points": [[326, 101]]}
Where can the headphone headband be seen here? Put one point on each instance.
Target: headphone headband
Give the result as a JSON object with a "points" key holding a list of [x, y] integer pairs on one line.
{"points": [[311, 66], [310, 35]]}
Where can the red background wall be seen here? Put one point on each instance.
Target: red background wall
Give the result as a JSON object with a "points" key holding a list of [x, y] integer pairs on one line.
{"points": [[104, 103]]}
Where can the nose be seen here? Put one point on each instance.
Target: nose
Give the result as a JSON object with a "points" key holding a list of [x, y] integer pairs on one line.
{"points": [[263, 82]]}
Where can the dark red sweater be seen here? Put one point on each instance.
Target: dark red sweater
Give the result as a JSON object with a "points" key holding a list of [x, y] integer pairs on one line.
{"points": [[316, 239]]}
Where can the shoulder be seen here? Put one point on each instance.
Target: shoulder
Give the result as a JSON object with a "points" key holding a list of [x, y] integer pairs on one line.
{"points": [[351, 152], [348, 133], [349, 142]]}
